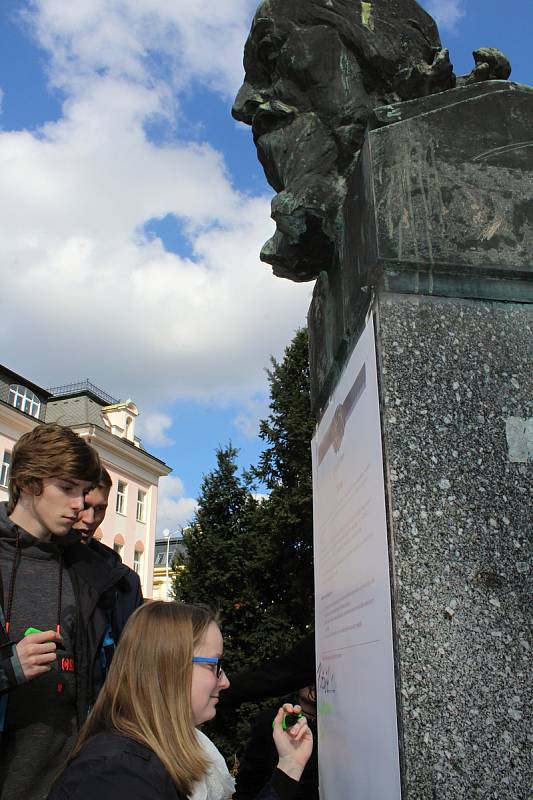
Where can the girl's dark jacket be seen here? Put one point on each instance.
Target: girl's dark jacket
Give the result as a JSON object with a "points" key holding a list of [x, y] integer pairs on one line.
{"points": [[111, 766]]}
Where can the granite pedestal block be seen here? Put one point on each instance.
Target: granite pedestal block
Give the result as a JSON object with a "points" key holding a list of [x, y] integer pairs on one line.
{"points": [[455, 381]]}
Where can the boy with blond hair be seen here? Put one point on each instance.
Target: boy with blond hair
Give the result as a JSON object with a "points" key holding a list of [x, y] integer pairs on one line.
{"points": [[55, 599]]}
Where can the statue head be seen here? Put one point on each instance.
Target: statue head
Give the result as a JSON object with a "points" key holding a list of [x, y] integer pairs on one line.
{"points": [[314, 70]]}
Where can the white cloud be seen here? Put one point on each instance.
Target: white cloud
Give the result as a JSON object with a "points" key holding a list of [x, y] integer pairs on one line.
{"points": [[446, 12], [94, 296], [153, 427], [174, 509], [143, 40]]}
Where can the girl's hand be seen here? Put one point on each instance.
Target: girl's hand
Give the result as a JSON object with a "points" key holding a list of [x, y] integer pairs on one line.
{"points": [[294, 745]]}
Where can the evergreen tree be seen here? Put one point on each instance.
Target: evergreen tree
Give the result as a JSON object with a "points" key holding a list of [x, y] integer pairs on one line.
{"points": [[285, 469], [252, 559], [211, 538], [216, 566], [230, 565]]}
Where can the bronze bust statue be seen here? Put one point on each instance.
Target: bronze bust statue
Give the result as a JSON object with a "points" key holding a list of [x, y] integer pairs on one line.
{"points": [[314, 70]]}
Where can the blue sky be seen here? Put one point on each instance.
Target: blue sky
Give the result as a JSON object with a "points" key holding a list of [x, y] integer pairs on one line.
{"points": [[134, 209]]}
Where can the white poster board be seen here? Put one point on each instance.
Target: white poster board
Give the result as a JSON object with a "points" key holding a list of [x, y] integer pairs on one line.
{"points": [[358, 738]]}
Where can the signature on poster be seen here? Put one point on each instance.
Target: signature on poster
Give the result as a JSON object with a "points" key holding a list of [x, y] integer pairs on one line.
{"points": [[325, 678]]}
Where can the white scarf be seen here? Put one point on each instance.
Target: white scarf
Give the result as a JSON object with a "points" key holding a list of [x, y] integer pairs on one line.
{"points": [[217, 783]]}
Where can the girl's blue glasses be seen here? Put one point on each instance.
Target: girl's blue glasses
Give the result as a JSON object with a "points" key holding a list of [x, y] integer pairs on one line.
{"points": [[205, 660]]}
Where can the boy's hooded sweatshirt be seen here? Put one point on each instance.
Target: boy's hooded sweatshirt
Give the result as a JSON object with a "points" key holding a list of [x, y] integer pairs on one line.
{"points": [[45, 585]]}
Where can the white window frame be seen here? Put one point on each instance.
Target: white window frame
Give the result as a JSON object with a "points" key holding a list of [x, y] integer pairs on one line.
{"points": [[25, 400], [122, 496], [140, 514], [137, 561], [4, 469]]}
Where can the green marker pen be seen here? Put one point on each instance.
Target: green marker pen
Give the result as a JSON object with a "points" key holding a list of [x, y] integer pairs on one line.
{"points": [[289, 720]]}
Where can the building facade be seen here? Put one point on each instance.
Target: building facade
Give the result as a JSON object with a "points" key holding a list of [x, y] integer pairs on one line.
{"points": [[109, 425], [168, 558]]}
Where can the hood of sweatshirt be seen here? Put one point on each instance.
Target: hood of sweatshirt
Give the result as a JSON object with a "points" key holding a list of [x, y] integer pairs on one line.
{"points": [[56, 544], [90, 567], [19, 550]]}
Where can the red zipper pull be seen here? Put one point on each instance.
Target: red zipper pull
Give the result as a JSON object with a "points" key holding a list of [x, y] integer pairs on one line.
{"points": [[59, 687]]}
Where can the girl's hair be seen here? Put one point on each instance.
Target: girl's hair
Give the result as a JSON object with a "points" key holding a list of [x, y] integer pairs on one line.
{"points": [[147, 692], [50, 451]]}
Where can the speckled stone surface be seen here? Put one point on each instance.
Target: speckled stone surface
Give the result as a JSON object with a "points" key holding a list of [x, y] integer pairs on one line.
{"points": [[453, 374]]}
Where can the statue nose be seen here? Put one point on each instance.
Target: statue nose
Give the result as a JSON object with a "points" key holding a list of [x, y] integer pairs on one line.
{"points": [[246, 103]]}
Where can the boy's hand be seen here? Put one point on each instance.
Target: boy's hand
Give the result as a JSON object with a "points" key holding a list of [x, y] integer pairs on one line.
{"points": [[37, 653]]}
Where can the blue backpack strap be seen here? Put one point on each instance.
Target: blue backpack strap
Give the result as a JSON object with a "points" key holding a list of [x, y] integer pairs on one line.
{"points": [[3, 712], [107, 648]]}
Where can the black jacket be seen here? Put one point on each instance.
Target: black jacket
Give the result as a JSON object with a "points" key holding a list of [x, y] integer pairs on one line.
{"points": [[287, 673], [278, 677], [96, 584], [111, 766], [128, 592]]}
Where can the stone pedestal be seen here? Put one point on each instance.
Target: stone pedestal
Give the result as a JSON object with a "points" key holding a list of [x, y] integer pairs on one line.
{"points": [[455, 384], [439, 245]]}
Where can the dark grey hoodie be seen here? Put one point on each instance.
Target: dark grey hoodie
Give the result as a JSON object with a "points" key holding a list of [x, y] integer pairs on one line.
{"points": [[40, 715]]}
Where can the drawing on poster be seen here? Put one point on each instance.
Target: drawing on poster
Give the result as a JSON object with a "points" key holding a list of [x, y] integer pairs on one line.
{"points": [[335, 431]]}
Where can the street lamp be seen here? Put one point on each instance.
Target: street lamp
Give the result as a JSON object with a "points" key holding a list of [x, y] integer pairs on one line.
{"points": [[166, 534]]}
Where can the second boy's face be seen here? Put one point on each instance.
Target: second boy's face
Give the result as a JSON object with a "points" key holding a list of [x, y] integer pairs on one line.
{"points": [[57, 508], [93, 513]]}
